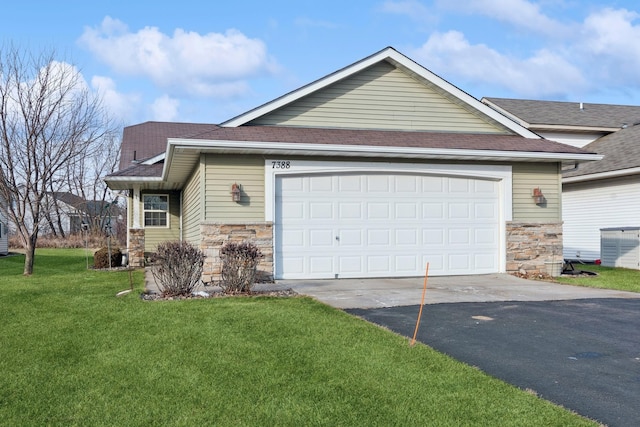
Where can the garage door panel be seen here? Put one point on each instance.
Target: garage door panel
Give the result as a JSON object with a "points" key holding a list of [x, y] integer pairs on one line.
{"points": [[460, 236], [433, 237], [351, 238], [406, 237], [406, 263], [377, 183], [379, 263], [321, 266], [349, 210], [321, 184], [378, 237], [294, 238], [385, 224], [433, 210], [350, 183], [321, 238]]}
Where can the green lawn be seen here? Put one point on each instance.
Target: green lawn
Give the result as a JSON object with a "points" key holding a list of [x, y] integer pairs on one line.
{"points": [[622, 279], [71, 353]]}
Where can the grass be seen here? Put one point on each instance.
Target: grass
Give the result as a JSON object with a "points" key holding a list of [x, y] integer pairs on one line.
{"points": [[71, 353], [621, 279]]}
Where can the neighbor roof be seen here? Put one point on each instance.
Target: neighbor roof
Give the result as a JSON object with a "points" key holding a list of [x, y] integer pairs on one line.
{"points": [[621, 152], [540, 114], [145, 140]]}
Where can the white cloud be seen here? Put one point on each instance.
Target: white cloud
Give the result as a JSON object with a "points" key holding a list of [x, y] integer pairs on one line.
{"points": [[607, 45], [543, 74], [212, 64], [121, 106], [165, 109], [521, 14]]}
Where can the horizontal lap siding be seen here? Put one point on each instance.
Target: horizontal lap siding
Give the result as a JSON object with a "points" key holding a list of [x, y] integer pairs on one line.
{"points": [[156, 235], [526, 177], [380, 97], [590, 206], [192, 208], [221, 172]]}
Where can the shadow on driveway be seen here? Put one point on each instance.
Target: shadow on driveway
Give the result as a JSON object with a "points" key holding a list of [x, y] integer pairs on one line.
{"points": [[583, 354]]}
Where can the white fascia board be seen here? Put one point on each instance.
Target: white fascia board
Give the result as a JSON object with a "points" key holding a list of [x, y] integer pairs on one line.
{"points": [[462, 95], [602, 175], [504, 112], [308, 89], [125, 182], [287, 148], [155, 159], [404, 61]]}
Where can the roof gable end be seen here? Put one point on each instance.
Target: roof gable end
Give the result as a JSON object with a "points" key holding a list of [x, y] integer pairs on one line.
{"points": [[484, 118]]}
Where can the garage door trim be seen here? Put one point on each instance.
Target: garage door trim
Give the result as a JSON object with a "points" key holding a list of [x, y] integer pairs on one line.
{"points": [[501, 174]]}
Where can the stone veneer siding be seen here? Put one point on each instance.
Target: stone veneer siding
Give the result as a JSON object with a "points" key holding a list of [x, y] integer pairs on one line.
{"points": [[136, 247], [215, 235], [529, 245]]}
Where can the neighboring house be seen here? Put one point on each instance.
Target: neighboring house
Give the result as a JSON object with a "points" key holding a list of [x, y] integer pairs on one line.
{"points": [[4, 228], [596, 195], [71, 214], [372, 171]]}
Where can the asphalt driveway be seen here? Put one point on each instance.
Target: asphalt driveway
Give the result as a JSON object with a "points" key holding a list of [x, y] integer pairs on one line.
{"points": [[583, 354], [575, 346]]}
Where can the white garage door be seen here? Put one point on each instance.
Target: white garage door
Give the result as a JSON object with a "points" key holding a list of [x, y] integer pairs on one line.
{"points": [[385, 225]]}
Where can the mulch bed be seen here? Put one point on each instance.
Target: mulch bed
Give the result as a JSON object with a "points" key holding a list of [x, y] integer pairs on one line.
{"points": [[217, 294]]}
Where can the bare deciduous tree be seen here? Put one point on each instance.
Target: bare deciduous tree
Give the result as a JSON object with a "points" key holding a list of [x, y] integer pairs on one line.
{"points": [[49, 121]]}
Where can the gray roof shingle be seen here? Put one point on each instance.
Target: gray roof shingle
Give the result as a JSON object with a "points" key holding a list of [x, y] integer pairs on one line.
{"points": [[281, 134], [145, 140], [621, 151], [540, 113]]}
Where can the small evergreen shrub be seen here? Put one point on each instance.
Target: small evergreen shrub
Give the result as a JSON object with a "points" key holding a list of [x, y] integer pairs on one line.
{"points": [[239, 267], [177, 268], [101, 258]]}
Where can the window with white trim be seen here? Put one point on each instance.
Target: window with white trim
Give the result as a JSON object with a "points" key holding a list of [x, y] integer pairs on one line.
{"points": [[156, 210]]}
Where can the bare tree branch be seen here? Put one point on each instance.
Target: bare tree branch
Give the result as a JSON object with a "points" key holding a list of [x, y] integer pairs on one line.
{"points": [[49, 122]]}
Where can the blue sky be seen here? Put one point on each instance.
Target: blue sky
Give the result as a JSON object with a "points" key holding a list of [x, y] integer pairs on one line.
{"points": [[207, 61]]}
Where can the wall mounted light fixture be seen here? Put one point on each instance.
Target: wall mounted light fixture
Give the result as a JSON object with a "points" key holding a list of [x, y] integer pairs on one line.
{"points": [[236, 194], [538, 197]]}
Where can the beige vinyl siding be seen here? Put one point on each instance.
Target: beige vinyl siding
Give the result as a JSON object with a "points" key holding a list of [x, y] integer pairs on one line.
{"points": [[381, 97], [192, 212], [155, 235], [526, 177], [221, 172]]}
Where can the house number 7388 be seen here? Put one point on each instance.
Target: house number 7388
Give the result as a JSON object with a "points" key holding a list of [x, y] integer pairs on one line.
{"points": [[281, 164]]}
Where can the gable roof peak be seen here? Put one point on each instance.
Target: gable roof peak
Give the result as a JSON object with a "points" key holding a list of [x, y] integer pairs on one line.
{"points": [[399, 61]]}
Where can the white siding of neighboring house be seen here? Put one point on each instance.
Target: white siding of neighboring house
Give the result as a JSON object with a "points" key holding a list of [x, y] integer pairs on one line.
{"points": [[574, 139], [589, 206]]}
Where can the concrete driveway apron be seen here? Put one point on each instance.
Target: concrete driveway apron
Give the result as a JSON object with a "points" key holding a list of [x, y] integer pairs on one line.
{"points": [[577, 347]]}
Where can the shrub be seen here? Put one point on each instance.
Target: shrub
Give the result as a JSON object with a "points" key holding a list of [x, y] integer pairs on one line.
{"points": [[177, 268], [101, 258], [239, 266]]}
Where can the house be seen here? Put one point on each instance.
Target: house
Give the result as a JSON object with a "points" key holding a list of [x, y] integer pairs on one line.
{"points": [[68, 213], [4, 227], [596, 195], [371, 171]]}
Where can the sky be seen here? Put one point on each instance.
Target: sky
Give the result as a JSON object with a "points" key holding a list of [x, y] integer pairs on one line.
{"points": [[208, 61]]}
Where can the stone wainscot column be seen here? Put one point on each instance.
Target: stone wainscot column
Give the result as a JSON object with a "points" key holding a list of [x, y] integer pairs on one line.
{"points": [[529, 245]]}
